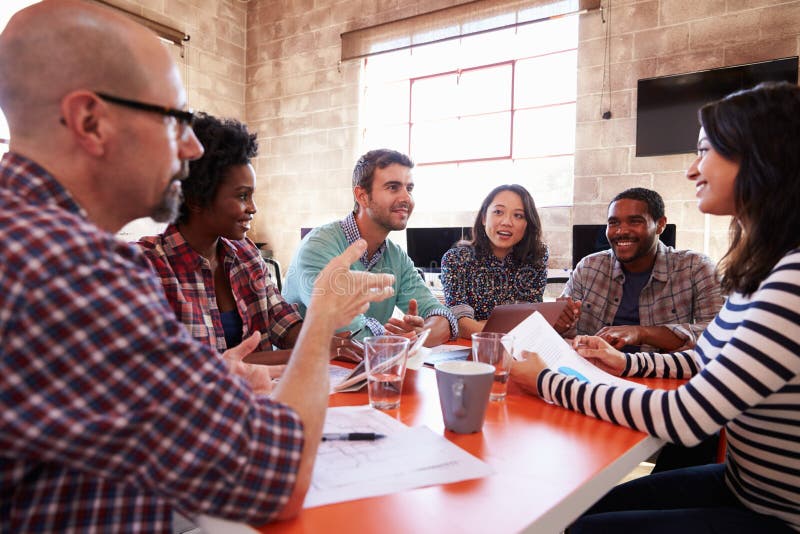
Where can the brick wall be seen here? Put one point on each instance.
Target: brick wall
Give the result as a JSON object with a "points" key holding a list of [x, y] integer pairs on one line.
{"points": [[213, 62], [304, 104], [655, 38]]}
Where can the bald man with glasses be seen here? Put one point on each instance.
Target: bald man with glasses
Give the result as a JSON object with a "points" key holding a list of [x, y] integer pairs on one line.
{"points": [[112, 416], [185, 118]]}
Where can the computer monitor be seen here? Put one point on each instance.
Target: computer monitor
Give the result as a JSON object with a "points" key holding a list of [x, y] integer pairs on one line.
{"points": [[590, 238], [426, 246]]}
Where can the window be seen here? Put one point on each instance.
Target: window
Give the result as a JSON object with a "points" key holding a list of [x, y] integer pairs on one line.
{"points": [[479, 111]]}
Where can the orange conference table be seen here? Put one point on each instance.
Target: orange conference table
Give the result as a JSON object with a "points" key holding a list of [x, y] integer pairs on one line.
{"points": [[550, 465]]}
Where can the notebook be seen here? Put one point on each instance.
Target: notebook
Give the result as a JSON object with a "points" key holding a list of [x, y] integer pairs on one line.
{"points": [[502, 319]]}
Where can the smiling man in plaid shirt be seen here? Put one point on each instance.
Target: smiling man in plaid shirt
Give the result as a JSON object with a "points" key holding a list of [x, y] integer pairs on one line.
{"points": [[641, 294], [111, 415]]}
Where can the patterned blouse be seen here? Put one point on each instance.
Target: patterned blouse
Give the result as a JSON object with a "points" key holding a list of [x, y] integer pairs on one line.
{"points": [[473, 285]]}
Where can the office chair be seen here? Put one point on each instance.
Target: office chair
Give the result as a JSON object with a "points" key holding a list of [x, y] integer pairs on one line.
{"points": [[274, 271], [273, 266]]}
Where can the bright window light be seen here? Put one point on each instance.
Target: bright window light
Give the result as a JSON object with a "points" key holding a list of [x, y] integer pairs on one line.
{"points": [[477, 112]]}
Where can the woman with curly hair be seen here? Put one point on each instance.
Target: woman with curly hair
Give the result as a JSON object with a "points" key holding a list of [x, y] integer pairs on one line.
{"points": [[213, 275]]}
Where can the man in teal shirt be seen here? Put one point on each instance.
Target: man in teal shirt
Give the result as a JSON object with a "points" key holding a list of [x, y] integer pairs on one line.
{"points": [[382, 188]]}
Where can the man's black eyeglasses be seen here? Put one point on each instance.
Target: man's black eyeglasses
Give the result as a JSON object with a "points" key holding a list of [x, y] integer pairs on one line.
{"points": [[184, 118]]}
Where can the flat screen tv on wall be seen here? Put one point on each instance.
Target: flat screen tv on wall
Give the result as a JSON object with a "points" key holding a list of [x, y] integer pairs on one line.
{"points": [[666, 107]]}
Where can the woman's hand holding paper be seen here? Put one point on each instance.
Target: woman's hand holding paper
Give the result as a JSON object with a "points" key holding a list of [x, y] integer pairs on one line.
{"points": [[598, 352]]}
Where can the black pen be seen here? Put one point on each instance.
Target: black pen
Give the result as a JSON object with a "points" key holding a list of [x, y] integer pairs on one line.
{"points": [[353, 334], [352, 436]]}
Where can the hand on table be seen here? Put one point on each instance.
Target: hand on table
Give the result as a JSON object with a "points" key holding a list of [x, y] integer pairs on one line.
{"points": [[258, 376], [619, 336], [525, 372], [598, 352], [345, 348], [569, 317], [409, 326]]}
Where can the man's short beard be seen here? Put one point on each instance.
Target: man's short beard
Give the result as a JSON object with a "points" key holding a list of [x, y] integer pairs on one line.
{"points": [[168, 209]]}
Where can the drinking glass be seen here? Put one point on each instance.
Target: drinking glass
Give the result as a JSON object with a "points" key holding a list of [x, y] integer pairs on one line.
{"points": [[495, 349], [385, 361]]}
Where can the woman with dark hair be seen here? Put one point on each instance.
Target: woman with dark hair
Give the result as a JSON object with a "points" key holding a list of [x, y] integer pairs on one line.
{"points": [[504, 262], [746, 365], [213, 275]]}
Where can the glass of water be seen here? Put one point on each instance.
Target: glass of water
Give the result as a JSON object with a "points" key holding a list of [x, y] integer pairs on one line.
{"points": [[385, 361], [495, 349]]}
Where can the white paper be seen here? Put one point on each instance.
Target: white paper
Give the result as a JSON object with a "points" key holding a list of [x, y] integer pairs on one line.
{"points": [[535, 334], [438, 349], [417, 353], [338, 374], [416, 361], [407, 458]]}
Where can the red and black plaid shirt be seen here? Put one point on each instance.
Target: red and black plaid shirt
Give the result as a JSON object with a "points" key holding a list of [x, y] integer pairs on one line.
{"points": [[111, 414], [189, 285]]}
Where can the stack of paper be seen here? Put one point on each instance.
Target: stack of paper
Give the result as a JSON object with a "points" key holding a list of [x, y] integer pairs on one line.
{"points": [[407, 458]]}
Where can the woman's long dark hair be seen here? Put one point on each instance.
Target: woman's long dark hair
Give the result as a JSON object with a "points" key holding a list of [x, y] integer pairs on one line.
{"points": [[530, 249], [760, 129]]}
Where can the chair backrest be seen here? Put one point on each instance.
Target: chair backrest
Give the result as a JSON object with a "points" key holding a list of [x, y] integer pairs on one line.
{"points": [[274, 272]]}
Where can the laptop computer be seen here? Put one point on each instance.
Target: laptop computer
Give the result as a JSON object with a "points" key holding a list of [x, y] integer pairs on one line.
{"points": [[503, 319]]}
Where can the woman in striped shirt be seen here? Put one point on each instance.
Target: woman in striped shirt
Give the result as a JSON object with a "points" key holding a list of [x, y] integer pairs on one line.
{"points": [[746, 367]]}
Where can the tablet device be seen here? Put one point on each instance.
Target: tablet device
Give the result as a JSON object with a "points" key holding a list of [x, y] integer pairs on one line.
{"points": [[505, 317]]}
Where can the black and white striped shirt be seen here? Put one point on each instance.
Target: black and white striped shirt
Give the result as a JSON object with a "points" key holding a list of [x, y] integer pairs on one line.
{"points": [[746, 377]]}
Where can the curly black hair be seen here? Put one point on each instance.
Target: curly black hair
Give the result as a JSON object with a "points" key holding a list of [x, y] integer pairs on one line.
{"points": [[227, 142]]}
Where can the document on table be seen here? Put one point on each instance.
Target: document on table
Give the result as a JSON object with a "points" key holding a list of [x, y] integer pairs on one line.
{"points": [[407, 458], [535, 334], [343, 379], [338, 375]]}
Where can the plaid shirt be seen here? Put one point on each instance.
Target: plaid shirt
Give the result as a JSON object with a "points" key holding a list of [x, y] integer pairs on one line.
{"points": [[683, 293], [111, 415], [189, 284]]}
